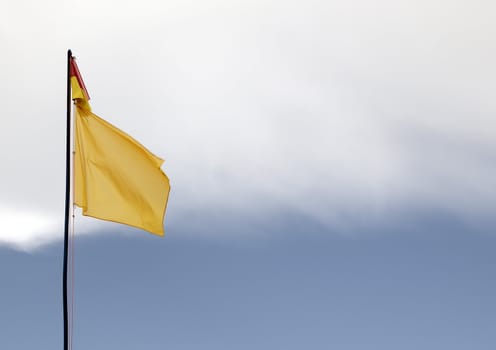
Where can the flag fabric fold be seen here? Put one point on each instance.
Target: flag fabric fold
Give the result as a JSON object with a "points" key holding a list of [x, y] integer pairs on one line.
{"points": [[115, 177], [79, 93]]}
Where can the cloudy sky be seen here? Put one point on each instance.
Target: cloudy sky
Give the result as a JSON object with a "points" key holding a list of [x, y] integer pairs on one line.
{"points": [[332, 168]]}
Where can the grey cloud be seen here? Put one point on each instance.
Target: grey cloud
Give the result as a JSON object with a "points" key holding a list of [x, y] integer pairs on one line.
{"points": [[340, 111]]}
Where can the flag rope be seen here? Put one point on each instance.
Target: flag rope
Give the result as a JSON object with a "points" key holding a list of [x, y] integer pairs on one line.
{"points": [[72, 234], [72, 280]]}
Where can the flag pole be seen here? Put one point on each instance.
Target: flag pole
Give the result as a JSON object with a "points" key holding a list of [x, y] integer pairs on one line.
{"points": [[67, 204]]}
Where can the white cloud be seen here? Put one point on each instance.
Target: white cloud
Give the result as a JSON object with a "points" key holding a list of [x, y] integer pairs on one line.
{"points": [[335, 109], [26, 230]]}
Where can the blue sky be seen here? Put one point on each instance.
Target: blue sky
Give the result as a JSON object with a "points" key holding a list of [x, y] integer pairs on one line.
{"points": [[431, 288], [332, 169]]}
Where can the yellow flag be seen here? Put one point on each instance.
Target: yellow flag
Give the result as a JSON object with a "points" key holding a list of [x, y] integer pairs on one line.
{"points": [[116, 178]]}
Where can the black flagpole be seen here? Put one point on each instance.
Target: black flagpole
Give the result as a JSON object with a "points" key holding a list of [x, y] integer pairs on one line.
{"points": [[67, 200]]}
